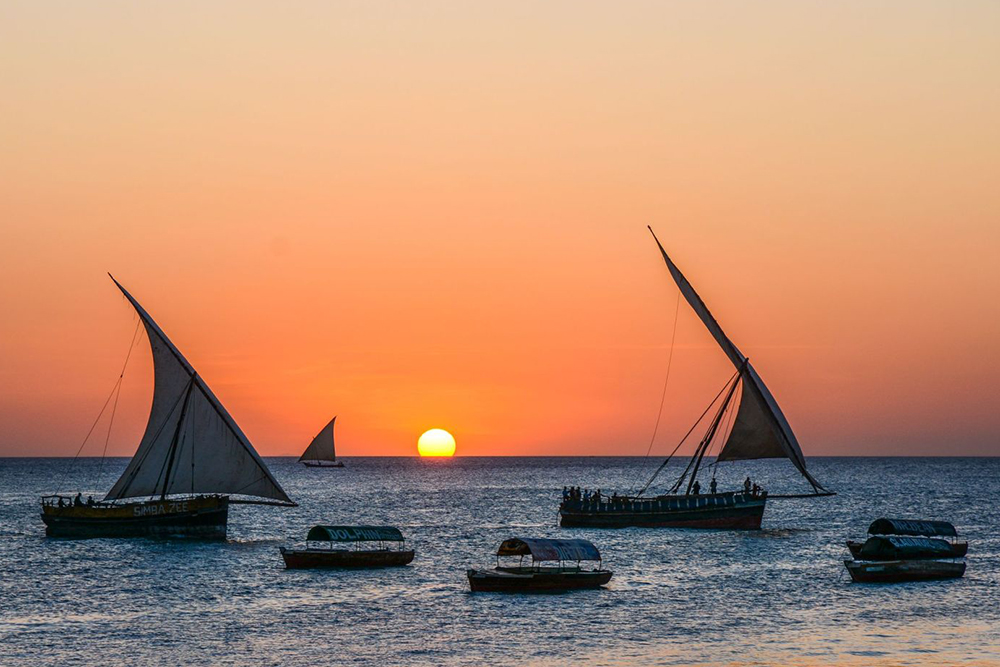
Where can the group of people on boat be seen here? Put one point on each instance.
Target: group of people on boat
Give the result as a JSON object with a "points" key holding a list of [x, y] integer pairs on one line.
{"points": [[696, 487], [78, 501], [586, 495], [752, 487]]}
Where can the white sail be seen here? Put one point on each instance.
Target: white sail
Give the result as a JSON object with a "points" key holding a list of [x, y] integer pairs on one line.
{"points": [[760, 430], [191, 444], [321, 448]]}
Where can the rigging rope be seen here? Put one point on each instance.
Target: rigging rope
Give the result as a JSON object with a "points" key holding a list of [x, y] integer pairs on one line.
{"points": [[100, 414], [727, 428], [663, 396], [114, 408], [690, 431]]}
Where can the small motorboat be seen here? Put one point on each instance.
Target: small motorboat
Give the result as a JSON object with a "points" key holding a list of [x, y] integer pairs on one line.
{"points": [[906, 550], [567, 574], [373, 547]]}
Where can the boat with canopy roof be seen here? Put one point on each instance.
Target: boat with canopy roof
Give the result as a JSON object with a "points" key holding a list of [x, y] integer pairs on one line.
{"points": [[193, 462], [757, 429], [907, 550], [321, 452], [567, 574], [901, 530], [326, 546]]}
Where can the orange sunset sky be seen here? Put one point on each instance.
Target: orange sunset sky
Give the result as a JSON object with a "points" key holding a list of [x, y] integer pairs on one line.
{"points": [[432, 214]]}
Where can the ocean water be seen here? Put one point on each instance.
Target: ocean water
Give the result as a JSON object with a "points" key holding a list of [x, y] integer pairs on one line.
{"points": [[780, 595]]}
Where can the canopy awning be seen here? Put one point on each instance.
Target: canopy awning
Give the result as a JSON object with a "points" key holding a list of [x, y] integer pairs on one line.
{"points": [[895, 547], [354, 534], [911, 527], [542, 549]]}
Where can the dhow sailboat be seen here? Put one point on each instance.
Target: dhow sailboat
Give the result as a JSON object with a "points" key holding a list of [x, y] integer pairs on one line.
{"points": [[321, 452], [758, 430], [193, 462]]}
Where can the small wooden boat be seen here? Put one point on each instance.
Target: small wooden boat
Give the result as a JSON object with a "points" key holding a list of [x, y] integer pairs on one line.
{"points": [[894, 571], [906, 550], [911, 528], [321, 452], [535, 578], [323, 548]]}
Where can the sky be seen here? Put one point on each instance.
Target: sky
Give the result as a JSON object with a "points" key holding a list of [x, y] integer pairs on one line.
{"points": [[419, 215]]}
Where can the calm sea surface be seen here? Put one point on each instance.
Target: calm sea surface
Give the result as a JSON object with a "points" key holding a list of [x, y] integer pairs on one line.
{"points": [[678, 597]]}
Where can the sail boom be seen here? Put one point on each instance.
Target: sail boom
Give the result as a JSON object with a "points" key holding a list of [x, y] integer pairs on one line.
{"points": [[272, 503]]}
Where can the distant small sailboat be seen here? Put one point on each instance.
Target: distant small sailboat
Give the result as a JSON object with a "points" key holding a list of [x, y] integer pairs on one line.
{"points": [[321, 452], [191, 459]]}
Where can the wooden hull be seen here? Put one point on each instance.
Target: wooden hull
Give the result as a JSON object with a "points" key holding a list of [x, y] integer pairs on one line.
{"points": [[501, 581], [313, 558], [958, 549], [323, 464], [893, 571], [201, 517], [731, 511]]}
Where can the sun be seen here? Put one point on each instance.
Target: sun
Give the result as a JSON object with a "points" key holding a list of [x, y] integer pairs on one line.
{"points": [[436, 442]]}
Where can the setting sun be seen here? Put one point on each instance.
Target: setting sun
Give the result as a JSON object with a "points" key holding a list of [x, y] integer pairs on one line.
{"points": [[436, 442]]}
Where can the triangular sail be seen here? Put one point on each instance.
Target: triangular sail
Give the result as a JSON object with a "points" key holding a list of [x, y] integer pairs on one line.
{"points": [[760, 430], [321, 448], [191, 444]]}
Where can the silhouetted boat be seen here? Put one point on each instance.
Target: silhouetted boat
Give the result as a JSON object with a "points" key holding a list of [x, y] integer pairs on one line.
{"points": [[915, 528], [321, 452], [535, 578], [759, 431], [906, 550], [190, 459], [322, 550]]}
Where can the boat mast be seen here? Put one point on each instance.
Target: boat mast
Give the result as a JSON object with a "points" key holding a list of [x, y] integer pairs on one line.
{"points": [[173, 444], [712, 429]]}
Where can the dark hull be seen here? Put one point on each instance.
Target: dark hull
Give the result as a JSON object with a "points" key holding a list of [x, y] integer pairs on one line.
{"points": [[323, 464], [886, 572], [498, 581], [958, 549], [732, 511], [311, 558], [203, 518]]}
